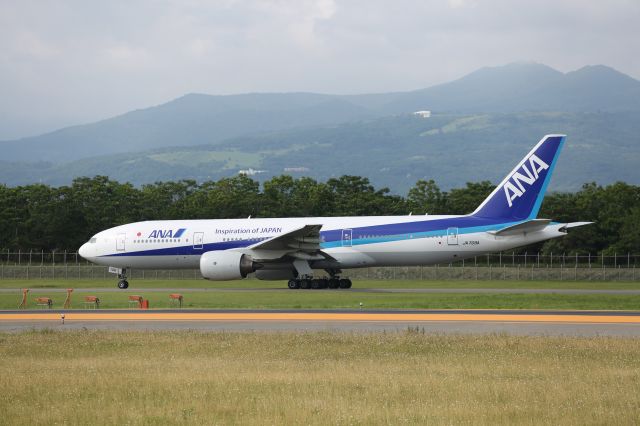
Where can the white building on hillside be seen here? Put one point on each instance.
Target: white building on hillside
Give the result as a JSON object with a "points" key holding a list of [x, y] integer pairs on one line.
{"points": [[423, 114]]}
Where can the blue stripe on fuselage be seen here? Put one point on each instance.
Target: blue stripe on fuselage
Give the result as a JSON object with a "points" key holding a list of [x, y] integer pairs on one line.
{"points": [[360, 235]]}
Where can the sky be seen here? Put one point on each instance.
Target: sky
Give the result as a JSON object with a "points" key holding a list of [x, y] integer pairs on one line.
{"points": [[70, 62]]}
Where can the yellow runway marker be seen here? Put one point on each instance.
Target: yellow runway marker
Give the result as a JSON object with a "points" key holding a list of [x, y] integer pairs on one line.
{"points": [[319, 316]]}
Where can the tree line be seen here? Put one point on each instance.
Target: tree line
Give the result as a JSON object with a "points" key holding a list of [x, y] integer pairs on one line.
{"points": [[42, 217]]}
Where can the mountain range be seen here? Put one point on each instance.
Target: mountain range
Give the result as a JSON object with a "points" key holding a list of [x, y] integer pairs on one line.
{"points": [[477, 122]]}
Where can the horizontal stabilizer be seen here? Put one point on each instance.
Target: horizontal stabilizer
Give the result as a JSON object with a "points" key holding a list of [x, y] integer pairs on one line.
{"points": [[574, 225], [519, 228]]}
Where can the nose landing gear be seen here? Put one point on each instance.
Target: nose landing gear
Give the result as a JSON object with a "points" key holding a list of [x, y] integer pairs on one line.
{"points": [[122, 277]]}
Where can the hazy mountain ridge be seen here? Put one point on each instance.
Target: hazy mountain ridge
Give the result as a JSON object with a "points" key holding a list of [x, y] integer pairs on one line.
{"points": [[487, 117], [191, 119], [197, 119], [528, 87]]}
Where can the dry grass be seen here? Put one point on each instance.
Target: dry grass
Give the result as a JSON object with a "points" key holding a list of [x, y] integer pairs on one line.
{"points": [[316, 378]]}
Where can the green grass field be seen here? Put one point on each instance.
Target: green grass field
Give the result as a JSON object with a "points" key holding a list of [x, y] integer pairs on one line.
{"points": [[325, 299], [141, 378], [357, 283], [256, 297]]}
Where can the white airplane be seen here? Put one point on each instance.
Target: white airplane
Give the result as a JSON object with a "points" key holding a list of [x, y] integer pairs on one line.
{"points": [[291, 248]]}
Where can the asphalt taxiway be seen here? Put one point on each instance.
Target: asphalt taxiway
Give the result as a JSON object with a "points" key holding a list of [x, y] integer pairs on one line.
{"points": [[527, 322]]}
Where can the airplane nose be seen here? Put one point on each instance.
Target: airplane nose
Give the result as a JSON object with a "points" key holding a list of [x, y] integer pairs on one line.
{"points": [[84, 251]]}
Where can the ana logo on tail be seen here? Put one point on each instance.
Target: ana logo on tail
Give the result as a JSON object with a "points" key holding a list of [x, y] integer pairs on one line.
{"points": [[514, 187], [520, 194]]}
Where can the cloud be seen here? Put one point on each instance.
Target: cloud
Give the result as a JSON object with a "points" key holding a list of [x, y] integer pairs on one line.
{"points": [[459, 3]]}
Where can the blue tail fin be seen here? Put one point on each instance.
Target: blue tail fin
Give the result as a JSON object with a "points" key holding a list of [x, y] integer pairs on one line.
{"points": [[520, 194]]}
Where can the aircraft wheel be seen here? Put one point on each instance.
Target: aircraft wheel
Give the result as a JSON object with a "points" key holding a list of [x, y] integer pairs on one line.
{"points": [[315, 284], [324, 283], [305, 284], [123, 284], [293, 284], [334, 283], [345, 283]]}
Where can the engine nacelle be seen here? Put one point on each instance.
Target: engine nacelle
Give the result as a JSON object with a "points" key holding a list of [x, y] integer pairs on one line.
{"points": [[226, 265]]}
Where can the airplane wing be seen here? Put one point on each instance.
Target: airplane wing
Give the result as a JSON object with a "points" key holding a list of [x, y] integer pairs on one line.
{"points": [[302, 243], [305, 238]]}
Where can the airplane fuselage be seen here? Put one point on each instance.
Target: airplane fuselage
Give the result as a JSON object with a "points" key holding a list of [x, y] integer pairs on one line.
{"points": [[291, 248], [351, 242]]}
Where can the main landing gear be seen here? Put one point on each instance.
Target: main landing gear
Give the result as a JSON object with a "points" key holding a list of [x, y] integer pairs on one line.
{"points": [[319, 283], [123, 283], [305, 278]]}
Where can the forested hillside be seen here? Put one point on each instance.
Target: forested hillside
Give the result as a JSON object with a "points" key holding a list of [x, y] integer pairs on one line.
{"points": [[43, 217], [393, 151]]}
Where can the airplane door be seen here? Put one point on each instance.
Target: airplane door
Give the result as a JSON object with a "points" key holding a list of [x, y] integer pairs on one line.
{"points": [[198, 238], [452, 236], [120, 239], [346, 237]]}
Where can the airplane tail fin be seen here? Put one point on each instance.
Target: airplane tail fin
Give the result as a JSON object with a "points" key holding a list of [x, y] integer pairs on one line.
{"points": [[520, 194]]}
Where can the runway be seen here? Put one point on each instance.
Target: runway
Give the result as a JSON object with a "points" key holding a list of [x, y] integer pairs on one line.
{"points": [[624, 323]]}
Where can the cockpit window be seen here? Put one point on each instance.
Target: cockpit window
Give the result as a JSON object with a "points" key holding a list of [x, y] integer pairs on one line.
{"points": [[93, 240]]}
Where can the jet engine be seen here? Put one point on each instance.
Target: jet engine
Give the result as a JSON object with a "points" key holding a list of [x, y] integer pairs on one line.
{"points": [[226, 265]]}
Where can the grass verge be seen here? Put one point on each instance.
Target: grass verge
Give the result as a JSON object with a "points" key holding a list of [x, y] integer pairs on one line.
{"points": [[101, 377], [318, 299], [357, 283]]}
